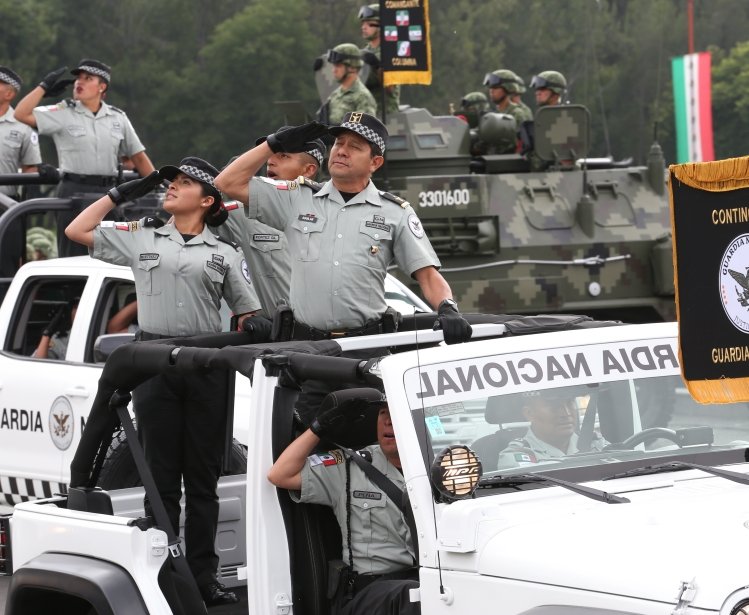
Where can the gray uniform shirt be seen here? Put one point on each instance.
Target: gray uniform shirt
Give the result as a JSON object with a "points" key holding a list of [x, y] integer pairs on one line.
{"points": [[380, 540], [19, 146], [340, 251], [179, 285], [267, 253], [517, 451], [88, 144], [58, 346]]}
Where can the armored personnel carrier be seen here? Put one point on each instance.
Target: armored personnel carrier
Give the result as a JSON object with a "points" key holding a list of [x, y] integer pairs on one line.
{"points": [[551, 231]]}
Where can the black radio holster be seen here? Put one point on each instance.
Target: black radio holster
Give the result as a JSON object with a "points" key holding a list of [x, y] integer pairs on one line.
{"points": [[283, 324], [341, 579], [391, 320]]}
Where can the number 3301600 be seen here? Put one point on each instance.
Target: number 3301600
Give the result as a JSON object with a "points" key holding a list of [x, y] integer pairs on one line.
{"points": [[440, 198]]}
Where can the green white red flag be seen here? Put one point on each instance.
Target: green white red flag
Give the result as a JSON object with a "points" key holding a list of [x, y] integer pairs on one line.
{"points": [[693, 108]]}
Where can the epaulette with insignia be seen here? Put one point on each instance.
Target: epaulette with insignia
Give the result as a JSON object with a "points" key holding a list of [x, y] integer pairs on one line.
{"points": [[69, 102], [233, 244], [365, 454], [113, 108], [311, 184], [395, 199]]}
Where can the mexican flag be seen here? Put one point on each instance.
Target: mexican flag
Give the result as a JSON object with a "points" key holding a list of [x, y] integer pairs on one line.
{"points": [[693, 108]]}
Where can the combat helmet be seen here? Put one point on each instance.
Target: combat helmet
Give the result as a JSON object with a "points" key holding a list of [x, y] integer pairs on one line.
{"points": [[472, 106], [550, 79], [347, 54], [506, 79], [370, 12]]}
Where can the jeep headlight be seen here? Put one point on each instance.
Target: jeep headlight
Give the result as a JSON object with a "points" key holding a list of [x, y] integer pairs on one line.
{"points": [[455, 473]]}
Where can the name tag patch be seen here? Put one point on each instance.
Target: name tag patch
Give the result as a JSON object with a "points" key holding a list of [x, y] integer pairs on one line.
{"points": [[380, 219], [262, 237], [380, 227], [217, 258], [367, 495], [308, 218], [216, 267], [149, 256]]}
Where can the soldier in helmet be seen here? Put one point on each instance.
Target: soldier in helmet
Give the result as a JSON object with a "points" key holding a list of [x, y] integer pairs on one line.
{"points": [[369, 16], [502, 84], [351, 94], [472, 106], [516, 96], [550, 86]]}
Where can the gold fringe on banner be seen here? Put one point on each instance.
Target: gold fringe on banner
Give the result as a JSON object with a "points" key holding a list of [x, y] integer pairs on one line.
{"points": [[414, 77], [717, 176]]}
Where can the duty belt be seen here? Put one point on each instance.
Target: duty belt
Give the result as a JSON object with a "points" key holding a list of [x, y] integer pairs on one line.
{"points": [[145, 336], [305, 332], [90, 180], [362, 580]]}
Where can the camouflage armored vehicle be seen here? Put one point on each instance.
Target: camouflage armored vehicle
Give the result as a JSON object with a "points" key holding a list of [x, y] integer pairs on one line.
{"points": [[588, 236]]}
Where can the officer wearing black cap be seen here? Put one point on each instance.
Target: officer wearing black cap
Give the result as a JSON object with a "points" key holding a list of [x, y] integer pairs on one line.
{"points": [[266, 248], [342, 234], [19, 148], [91, 136], [19, 144], [181, 271]]}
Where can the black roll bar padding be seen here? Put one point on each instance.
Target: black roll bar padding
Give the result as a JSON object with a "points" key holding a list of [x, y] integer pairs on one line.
{"points": [[331, 369]]}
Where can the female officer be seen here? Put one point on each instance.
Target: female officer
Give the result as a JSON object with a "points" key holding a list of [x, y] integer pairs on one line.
{"points": [[181, 273]]}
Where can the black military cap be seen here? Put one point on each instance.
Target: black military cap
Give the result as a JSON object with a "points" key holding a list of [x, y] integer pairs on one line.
{"points": [[316, 148], [10, 77], [95, 68], [365, 125], [194, 167]]}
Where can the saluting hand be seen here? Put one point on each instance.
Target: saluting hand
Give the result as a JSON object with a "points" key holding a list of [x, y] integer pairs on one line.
{"points": [[135, 188], [296, 139], [51, 84]]}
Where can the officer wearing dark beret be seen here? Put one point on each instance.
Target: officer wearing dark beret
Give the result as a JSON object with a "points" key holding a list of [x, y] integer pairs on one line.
{"points": [[181, 272], [91, 136], [343, 235]]}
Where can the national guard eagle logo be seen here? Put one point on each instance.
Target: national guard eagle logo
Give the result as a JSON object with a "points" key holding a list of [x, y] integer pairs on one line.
{"points": [[61, 423], [734, 282]]}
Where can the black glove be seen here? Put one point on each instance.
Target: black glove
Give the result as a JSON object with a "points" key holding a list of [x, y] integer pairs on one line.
{"points": [[134, 188], [371, 59], [259, 328], [48, 172], [349, 417], [294, 139], [51, 84], [57, 323], [456, 328], [317, 64], [151, 222]]}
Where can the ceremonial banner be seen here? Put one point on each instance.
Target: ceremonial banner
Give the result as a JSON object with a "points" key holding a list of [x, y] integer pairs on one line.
{"points": [[693, 107], [406, 51], [710, 222]]}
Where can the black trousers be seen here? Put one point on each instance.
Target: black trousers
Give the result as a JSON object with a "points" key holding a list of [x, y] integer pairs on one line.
{"points": [[181, 424], [384, 597], [314, 391]]}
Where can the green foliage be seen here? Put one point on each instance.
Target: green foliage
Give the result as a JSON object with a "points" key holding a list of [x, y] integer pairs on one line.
{"points": [[201, 77]]}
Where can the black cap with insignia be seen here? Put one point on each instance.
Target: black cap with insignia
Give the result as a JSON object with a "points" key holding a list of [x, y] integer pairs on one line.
{"points": [[94, 67], [10, 77], [365, 125], [202, 171]]}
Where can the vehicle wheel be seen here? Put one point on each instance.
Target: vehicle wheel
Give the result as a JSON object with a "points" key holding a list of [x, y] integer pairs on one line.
{"points": [[119, 471]]}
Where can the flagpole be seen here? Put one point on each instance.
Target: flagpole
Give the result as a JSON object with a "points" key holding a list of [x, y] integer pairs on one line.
{"points": [[690, 25]]}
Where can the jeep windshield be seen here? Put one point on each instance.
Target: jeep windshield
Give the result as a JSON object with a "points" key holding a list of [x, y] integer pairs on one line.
{"points": [[585, 411]]}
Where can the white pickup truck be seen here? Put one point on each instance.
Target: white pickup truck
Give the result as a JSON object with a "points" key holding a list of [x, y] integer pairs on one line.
{"points": [[649, 520]]}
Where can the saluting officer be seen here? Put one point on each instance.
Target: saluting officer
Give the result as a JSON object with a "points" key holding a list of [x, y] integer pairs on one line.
{"points": [[342, 236], [265, 247], [91, 137], [181, 273]]}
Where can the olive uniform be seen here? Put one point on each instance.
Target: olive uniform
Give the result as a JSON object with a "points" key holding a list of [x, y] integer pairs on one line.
{"points": [[19, 146], [267, 254], [530, 449], [380, 539], [527, 114], [355, 98], [181, 419], [374, 85], [340, 249]]}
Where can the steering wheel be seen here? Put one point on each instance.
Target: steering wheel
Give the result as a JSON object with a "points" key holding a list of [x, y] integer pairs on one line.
{"points": [[647, 435]]}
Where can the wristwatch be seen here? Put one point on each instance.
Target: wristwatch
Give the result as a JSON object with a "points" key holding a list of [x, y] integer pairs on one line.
{"points": [[450, 302]]}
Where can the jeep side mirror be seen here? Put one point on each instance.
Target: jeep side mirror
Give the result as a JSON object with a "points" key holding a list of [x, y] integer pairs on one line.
{"points": [[106, 344]]}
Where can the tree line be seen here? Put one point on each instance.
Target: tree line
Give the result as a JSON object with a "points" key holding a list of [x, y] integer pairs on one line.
{"points": [[202, 77]]}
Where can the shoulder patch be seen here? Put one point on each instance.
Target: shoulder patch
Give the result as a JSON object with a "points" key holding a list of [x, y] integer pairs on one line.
{"points": [[233, 244], [331, 458], [232, 205], [393, 198], [309, 183], [121, 226]]}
